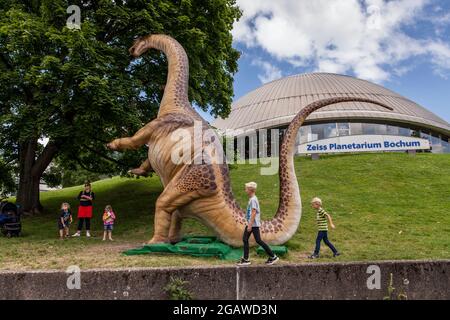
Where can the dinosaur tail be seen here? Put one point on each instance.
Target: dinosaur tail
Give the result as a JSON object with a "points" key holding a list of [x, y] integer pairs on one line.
{"points": [[176, 89], [285, 222]]}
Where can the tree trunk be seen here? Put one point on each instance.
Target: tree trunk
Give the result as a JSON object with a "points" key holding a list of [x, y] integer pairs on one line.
{"points": [[28, 195], [31, 170]]}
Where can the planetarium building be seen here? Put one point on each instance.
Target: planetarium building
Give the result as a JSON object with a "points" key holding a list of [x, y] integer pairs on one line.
{"points": [[349, 126]]}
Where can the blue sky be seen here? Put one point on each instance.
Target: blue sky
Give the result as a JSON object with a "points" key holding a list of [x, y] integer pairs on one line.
{"points": [[403, 45]]}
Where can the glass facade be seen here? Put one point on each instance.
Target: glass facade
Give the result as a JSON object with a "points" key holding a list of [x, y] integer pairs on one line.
{"points": [[343, 129], [309, 133], [323, 131]]}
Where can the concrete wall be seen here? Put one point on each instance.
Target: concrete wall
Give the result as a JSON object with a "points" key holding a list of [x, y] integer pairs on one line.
{"points": [[417, 279]]}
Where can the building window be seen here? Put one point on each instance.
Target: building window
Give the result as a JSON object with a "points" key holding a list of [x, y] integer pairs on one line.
{"points": [[393, 130], [381, 129], [343, 129], [316, 132], [369, 128], [436, 140], [304, 133], [323, 131], [446, 145], [404, 132], [330, 130], [416, 133], [425, 135], [356, 128]]}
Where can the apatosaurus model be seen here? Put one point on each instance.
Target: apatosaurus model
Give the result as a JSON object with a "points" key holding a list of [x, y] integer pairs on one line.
{"points": [[202, 190]]}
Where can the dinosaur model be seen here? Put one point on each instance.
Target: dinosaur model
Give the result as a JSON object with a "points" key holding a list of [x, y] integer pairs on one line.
{"points": [[202, 190]]}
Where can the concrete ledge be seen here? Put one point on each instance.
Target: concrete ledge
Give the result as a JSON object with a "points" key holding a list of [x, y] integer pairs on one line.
{"points": [[416, 279]]}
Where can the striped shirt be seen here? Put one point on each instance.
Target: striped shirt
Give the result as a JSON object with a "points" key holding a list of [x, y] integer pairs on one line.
{"points": [[322, 222]]}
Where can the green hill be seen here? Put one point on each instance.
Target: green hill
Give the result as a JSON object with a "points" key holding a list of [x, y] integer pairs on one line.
{"points": [[385, 206]]}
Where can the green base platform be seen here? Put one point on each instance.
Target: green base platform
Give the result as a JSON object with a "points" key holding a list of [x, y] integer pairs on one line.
{"points": [[200, 246]]}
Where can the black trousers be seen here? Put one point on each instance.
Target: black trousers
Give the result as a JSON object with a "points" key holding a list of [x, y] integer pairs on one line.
{"points": [[323, 235], [257, 236], [87, 221]]}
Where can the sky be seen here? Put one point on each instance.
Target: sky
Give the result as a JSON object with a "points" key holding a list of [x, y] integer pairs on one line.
{"points": [[403, 45]]}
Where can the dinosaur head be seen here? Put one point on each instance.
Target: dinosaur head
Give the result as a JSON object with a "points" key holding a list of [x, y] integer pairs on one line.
{"points": [[139, 47]]}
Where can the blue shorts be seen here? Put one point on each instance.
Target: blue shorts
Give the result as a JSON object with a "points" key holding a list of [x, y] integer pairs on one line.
{"points": [[108, 227]]}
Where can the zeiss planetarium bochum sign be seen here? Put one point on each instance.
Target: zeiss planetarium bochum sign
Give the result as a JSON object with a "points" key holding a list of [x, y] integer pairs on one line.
{"points": [[364, 143]]}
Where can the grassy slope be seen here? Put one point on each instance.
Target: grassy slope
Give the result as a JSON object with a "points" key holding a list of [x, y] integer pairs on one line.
{"points": [[385, 206]]}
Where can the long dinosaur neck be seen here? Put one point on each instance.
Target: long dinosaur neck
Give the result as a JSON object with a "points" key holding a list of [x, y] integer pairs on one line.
{"points": [[175, 97], [285, 222]]}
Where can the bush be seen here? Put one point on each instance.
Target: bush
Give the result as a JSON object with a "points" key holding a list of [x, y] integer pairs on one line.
{"points": [[176, 291]]}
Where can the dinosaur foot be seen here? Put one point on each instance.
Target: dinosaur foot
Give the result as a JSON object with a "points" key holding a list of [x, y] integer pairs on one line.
{"points": [[174, 240], [158, 239], [139, 172]]}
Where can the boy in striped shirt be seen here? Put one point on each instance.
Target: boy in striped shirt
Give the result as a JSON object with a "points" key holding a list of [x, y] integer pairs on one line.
{"points": [[322, 225]]}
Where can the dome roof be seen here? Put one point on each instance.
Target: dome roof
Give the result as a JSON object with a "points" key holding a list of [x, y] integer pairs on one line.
{"points": [[276, 103]]}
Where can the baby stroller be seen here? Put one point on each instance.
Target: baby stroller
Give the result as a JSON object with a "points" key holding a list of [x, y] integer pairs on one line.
{"points": [[10, 224]]}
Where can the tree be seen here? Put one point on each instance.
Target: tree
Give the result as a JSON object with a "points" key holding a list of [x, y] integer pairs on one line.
{"points": [[57, 175], [78, 88]]}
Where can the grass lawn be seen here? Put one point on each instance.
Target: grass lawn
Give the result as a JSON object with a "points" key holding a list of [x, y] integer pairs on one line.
{"points": [[385, 206]]}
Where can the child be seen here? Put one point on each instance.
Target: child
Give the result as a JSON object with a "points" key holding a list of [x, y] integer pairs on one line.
{"points": [[108, 222], [254, 222], [64, 221], [85, 209], [322, 226]]}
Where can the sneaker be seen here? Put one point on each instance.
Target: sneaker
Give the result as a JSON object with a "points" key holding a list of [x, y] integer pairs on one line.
{"points": [[88, 234], [244, 262], [313, 256], [76, 234], [337, 254], [272, 260]]}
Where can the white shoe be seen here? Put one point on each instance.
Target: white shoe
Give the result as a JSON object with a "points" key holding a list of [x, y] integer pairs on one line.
{"points": [[88, 234], [76, 234]]}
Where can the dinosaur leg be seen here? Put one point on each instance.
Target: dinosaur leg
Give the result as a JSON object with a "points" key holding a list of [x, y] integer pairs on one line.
{"points": [[166, 205], [193, 182], [175, 228], [143, 170], [138, 140]]}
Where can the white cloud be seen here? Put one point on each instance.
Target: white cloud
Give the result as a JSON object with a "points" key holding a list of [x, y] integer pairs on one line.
{"points": [[441, 23], [270, 71], [365, 37], [440, 56]]}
